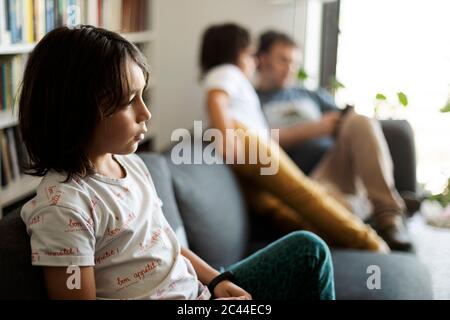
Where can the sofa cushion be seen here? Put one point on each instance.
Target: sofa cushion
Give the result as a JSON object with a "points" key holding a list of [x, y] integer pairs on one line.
{"points": [[20, 280], [162, 179], [213, 211], [400, 139], [402, 276]]}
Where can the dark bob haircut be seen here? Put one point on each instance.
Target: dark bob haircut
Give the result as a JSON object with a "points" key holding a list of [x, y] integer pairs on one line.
{"points": [[74, 78], [222, 44], [270, 38]]}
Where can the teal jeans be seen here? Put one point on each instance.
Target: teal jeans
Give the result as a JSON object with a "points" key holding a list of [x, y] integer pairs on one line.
{"points": [[296, 267]]}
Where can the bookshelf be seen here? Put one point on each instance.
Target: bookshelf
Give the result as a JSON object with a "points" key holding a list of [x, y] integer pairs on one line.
{"points": [[20, 48], [22, 24]]}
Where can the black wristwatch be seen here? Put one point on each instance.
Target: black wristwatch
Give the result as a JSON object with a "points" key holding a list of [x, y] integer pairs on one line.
{"points": [[227, 275]]}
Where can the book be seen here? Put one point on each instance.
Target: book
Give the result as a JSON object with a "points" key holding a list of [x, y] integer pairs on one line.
{"points": [[2, 89], [5, 159], [100, 13], [17, 69], [13, 153], [5, 35], [39, 19], [50, 15], [22, 152], [112, 15], [62, 12], [28, 21], [73, 13], [1, 163], [126, 16], [92, 12], [83, 5], [7, 85], [15, 15]]}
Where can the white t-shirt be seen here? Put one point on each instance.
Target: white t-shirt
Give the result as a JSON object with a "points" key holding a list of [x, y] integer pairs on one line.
{"points": [[118, 227], [244, 103]]}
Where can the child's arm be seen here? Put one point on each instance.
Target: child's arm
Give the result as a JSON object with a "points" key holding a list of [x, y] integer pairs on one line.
{"points": [[206, 274], [58, 281], [204, 271]]}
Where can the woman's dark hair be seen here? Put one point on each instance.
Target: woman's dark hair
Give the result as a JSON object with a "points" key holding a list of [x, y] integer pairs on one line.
{"points": [[270, 38], [222, 44], [74, 78]]}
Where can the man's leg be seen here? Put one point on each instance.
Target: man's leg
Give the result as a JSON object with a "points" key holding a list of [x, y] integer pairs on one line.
{"points": [[361, 152]]}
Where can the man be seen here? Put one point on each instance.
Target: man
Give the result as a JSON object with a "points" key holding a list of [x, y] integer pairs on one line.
{"points": [[346, 152]]}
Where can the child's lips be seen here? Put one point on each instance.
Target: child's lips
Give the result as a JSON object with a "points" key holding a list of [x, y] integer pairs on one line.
{"points": [[139, 137]]}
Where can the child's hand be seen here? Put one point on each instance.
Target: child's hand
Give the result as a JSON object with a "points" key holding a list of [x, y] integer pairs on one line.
{"points": [[227, 289]]}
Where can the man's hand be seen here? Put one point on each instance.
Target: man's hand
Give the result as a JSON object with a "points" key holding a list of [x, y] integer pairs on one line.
{"points": [[329, 122], [226, 290]]}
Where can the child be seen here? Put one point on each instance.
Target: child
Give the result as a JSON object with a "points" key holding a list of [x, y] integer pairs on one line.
{"points": [[228, 64], [81, 117]]}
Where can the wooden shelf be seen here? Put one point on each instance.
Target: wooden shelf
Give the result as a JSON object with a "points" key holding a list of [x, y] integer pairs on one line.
{"points": [[7, 119], [19, 189], [24, 48], [20, 48]]}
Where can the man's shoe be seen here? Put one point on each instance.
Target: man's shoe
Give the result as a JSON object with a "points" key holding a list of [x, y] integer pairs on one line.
{"points": [[396, 236], [412, 202]]}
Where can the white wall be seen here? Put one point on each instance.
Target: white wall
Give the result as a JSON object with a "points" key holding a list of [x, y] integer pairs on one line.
{"points": [[313, 43], [177, 98]]}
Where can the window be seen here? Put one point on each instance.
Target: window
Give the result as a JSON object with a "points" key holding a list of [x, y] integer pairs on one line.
{"points": [[389, 46]]}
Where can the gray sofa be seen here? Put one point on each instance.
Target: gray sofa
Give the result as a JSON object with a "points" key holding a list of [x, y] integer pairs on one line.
{"points": [[204, 205]]}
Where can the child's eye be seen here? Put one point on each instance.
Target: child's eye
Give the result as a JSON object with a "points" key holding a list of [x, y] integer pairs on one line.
{"points": [[131, 102]]}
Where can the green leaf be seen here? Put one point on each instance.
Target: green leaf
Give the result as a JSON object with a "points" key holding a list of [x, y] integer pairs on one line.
{"points": [[446, 108], [302, 75], [380, 96], [336, 84], [444, 197], [403, 99]]}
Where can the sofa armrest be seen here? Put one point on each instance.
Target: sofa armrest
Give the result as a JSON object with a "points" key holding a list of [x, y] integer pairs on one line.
{"points": [[400, 138]]}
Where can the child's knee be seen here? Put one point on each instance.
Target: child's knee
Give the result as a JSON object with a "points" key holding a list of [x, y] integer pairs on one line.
{"points": [[310, 244]]}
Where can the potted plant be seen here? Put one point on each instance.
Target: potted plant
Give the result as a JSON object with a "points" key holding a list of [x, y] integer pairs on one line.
{"points": [[385, 109]]}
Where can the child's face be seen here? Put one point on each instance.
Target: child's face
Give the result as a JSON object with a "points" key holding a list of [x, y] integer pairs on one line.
{"points": [[121, 132]]}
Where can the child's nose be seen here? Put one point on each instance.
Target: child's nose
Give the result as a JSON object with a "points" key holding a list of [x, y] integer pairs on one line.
{"points": [[148, 115], [145, 114]]}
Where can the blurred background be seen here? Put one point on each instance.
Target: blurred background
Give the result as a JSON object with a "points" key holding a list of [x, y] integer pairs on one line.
{"points": [[358, 49], [390, 59]]}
